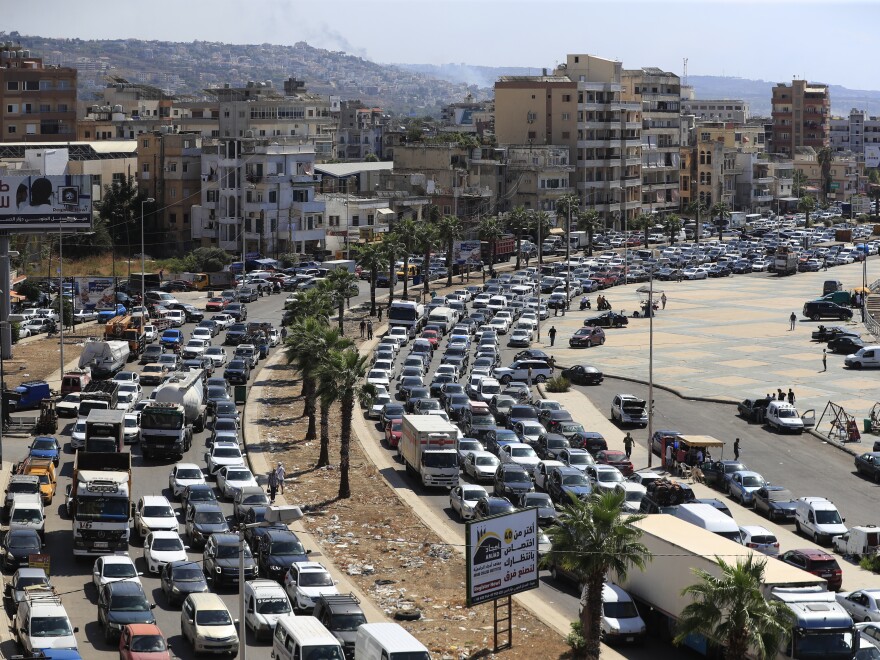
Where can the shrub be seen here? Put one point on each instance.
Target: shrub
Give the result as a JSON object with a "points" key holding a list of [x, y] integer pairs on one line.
{"points": [[575, 639], [871, 563], [558, 384]]}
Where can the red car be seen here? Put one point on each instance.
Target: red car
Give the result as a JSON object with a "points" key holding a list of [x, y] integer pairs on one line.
{"points": [[818, 562], [216, 304], [393, 429], [143, 641], [432, 336], [615, 458], [587, 336]]}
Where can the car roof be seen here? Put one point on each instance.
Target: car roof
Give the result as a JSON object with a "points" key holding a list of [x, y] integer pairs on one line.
{"points": [[753, 530], [813, 553], [312, 566], [611, 593], [125, 585], [155, 499], [565, 469]]}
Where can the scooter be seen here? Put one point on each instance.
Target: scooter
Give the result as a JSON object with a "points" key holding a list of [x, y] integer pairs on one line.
{"points": [[585, 304]]}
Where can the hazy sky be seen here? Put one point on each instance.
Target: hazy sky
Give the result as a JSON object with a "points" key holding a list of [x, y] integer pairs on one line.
{"points": [[776, 40]]}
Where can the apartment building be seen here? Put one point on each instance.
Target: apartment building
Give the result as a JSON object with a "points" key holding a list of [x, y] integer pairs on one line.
{"points": [[537, 176], [763, 183], [359, 132], [469, 116], [37, 102], [170, 171], [735, 110], [258, 196], [842, 183], [801, 116], [659, 93], [855, 133]]}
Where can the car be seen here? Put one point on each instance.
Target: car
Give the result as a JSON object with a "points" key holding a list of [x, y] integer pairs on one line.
{"points": [[627, 409], [511, 480], [583, 374], [154, 374], [216, 304], [151, 354], [846, 344], [695, 273], [45, 446], [550, 445], [25, 580], [223, 321], [519, 453], [616, 458], [480, 465], [607, 320], [245, 499], [223, 454], [463, 499], [741, 486], [576, 458], [868, 464], [202, 519], [143, 641], [818, 562], [863, 604], [183, 475], [620, 622], [466, 445], [633, 494], [535, 371], [84, 316], [565, 482], [547, 513], [760, 539], [816, 310], [232, 478], [753, 410], [277, 549], [69, 405], [541, 472], [220, 560], [775, 502], [519, 338], [604, 477], [529, 432], [162, 547], [114, 568], [127, 377], [154, 513], [197, 493], [237, 311], [587, 337], [305, 582], [492, 506], [716, 473], [225, 412], [121, 603], [645, 477]]}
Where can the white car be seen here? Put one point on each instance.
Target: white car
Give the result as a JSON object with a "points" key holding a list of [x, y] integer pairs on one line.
{"points": [[127, 377], [84, 316], [114, 568], [605, 477], [480, 465], [217, 354], [78, 435], [760, 539], [541, 471], [162, 548], [203, 334], [133, 388], [519, 453], [399, 333], [232, 479], [695, 273], [223, 454], [69, 405], [379, 377], [632, 495], [501, 326], [863, 605], [196, 347], [153, 514], [379, 401], [132, 429], [620, 617], [223, 320], [151, 333], [305, 581], [760, 265], [183, 475], [463, 499], [125, 401]]}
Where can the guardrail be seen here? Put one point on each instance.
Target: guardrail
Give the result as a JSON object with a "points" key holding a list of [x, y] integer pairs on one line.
{"points": [[870, 322]]}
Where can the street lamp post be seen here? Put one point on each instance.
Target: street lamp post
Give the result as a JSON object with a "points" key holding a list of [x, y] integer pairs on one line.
{"points": [[274, 514], [148, 200], [61, 296]]}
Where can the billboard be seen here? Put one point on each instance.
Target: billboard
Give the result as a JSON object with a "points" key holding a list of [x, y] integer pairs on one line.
{"points": [[872, 155], [466, 251], [502, 556], [39, 203]]}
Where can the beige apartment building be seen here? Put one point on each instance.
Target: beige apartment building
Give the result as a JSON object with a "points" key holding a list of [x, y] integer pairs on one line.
{"points": [[801, 115], [537, 176], [844, 180]]}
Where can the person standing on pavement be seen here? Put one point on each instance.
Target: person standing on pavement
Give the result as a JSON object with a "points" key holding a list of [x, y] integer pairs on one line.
{"points": [[370, 329], [791, 396], [792, 320], [669, 457], [273, 486], [824, 359], [663, 300], [628, 444], [363, 328], [736, 449], [280, 474], [552, 334], [380, 315], [530, 376]]}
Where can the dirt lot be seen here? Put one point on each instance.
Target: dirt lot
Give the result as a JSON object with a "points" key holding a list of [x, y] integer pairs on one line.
{"points": [[37, 359], [383, 545]]}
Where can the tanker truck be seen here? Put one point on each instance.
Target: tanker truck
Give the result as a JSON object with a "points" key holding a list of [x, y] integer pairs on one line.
{"points": [[168, 421]]}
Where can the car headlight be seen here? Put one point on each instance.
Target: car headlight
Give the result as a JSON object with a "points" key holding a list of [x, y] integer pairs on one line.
{"points": [[218, 569]]}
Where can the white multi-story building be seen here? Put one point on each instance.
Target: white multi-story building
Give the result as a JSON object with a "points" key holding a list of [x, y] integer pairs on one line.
{"points": [[258, 196], [734, 110]]}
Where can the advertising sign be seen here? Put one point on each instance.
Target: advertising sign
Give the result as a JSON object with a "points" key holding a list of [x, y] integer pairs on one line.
{"points": [[502, 556], [872, 155], [38, 203], [40, 561], [466, 251]]}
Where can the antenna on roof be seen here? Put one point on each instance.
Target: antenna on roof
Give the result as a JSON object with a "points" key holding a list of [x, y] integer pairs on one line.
{"points": [[684, 73]]}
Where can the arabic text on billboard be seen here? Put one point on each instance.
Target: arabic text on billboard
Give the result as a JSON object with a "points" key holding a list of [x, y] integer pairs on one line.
{"points": [[872, 155], [502, 556], [34, 203]]}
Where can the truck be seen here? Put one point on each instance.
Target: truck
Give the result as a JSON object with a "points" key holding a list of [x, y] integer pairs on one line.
{"points": [[444, 317], [427, 448], [859, 541], [107, 312], [822, 629], [104, 358], [347, 264], [167, 430], [44, 470], [29, 395], [577, 239], [105, 431], [99, 503], [129, 329], [785, 260], [223, 279], [505, 248], [407, 313], [98, 395], [737, 219]]}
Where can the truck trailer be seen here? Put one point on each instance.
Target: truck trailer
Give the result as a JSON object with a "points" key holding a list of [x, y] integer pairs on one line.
{"points": [[178, 410], [105, 431], [427, 447], [99, 503], [104, 358]]}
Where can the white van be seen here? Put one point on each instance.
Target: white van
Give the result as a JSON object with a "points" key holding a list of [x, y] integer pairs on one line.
{"points": [[709, 518], [388, 641], [26, 512], [818, 519], [783, 416], [304, 637], [265, 603], [867, 356], [445, 317]]}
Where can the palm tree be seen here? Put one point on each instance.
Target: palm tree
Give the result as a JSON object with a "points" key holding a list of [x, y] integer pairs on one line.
{"points": [[567, 206], [540, 221], [591, 538], [370, 257], [340, 285], [643, 222], [407, 232], [517, 222], [798, 183], [732, 612], [696, 209], [721, 212], [588, 220], [806, 205], [391, 247], [426, 241], [312, 302], [490, 230], [449, 230], [825, 156], [672, 225], [300, 351], [344, 371], [328, 340]]}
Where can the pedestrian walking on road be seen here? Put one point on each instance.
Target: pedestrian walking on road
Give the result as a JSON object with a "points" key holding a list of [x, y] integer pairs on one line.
{"points": [[825, 263], [530, 376], [669, 457], [280, 474], [791, 396], [824, 359], [628, 444], [363, 328], [552, 334], [792, 320], [736, 449], [370, 329], [273, 486], [663, 300]]}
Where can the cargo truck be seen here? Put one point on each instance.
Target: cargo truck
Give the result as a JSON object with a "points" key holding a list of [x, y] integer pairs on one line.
{"points": [[346, 264], [104, 358], [99, 503], [167, 430], [98, 395], [504, 249], [427, 447], [203, 281], [105, 431], [823, 629], [785, 261]]}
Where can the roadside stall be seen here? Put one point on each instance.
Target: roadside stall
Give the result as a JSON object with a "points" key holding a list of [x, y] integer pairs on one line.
{"points": [[686, 448]]}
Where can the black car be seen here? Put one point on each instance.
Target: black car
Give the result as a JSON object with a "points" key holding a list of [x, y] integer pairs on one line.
{"points": [[449, 389], [550, 445], [277, 550], [823, 309], [237, 372], [253, 532], [869, 465], [512, 480], [715, 472], [492, 506], [181, 578], [437, 384], [392, 411], [592, 441], [176, 285], [17, 545], [202, 520], [846, 344], [827, 333], [753, 410], [719, 270], [532, 354], [220, 561], [414, 396], [741, 267], [547, 513], [583, 374], [238, 311], [456, 405], [406, 385], [235, 334], [197, 493], [607, 320], [775, 502], [192, 314], [121, 603]]}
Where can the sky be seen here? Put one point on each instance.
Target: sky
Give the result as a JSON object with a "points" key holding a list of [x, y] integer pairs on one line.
{"points": [[774, 40]]}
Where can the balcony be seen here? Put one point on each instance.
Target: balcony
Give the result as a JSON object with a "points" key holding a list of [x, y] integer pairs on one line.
{"points": [[308, 207], [598, 144], [762, 198], [765, 180]]}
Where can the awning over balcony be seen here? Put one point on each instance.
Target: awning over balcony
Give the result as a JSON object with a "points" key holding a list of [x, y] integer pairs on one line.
{"points": [[384, 211]]}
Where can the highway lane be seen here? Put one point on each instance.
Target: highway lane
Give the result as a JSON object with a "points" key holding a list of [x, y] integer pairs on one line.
{"points": [[72, 577]]}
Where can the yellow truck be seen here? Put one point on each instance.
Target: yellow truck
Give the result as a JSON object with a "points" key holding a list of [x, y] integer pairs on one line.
{"points": [[44, 470]]}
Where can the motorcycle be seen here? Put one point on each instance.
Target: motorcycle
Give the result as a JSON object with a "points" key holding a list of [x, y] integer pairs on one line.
{"points": [[585, 304]]}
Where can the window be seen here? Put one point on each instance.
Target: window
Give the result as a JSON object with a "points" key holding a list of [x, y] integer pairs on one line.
{"points": [[355, 220], [31, 129], [566, 135], [45, 107], [566, 116], [118, 177], [145, 143], [12, 86], [12, 109], [11, 129], [173, 193], [172, 218], [185, 167], [62, 107], [45, 84], [31, 85], [532, 135], [172, 167]]}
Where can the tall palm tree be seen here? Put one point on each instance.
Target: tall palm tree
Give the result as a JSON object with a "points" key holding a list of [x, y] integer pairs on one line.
{"points": [[825, 156], [328, 340], [732, 612], [588, 220], [407, 232], [672, 225], [567, 206], [643, 222], [721, 212], [696, 209], [426, 241], [340, 286], [300, 351], [591, 538], [391, 247], [806, 205], [798, 183], [345, 372], [540, 219], [312, 302], [449, 230], [370, 257], [490, 230], [517, 222]]}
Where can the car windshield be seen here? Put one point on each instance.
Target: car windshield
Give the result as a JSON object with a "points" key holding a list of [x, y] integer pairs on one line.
{"points": [[490, 388], [538, 499], [571, 428], [209, 517], [213, 618], [148, 644], [227, 452], [752, 482], [273, 605], [352, 622], [238, 475], [161, 511], [51, 626], [828, 517], [227, 551], [44, 444], [119, 570], [620, 610], [287, 548], [609, 476], [787, 413], [779, 495], [315, 579], [22, 487], [187, 574], [574, 480], [25, 582], [516, 477], [26, 515], [440, 460], [580, 459], [523, 452], [129, 603], [167, 545], [486, 460], [189, 473]]}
